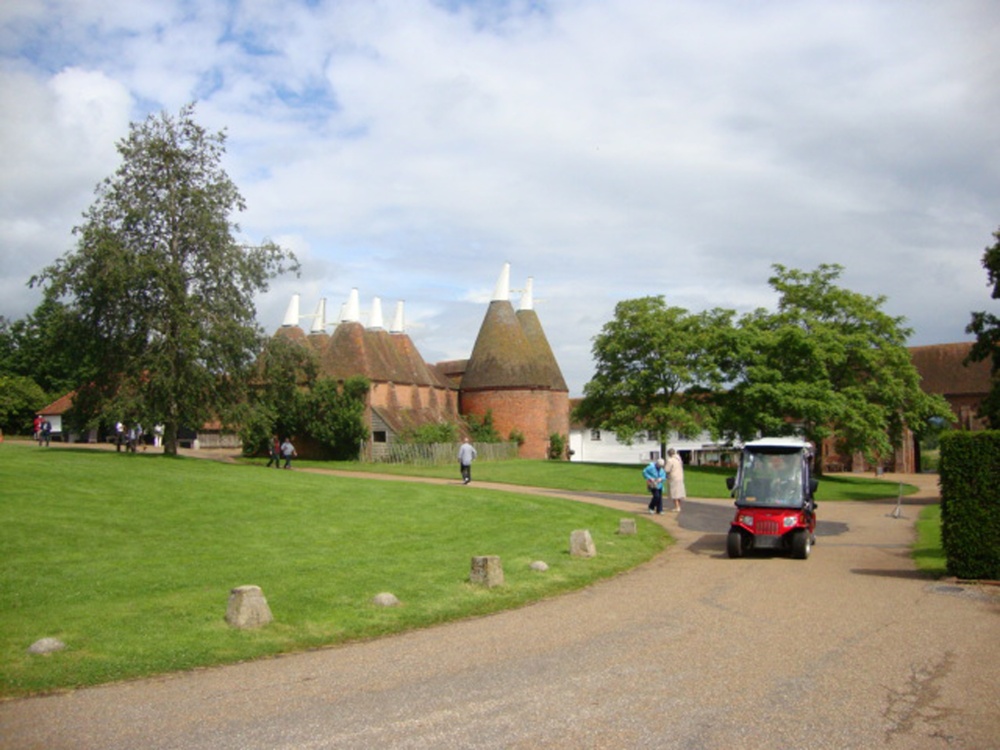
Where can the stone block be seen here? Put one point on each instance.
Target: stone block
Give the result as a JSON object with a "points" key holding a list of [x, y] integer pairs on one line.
{"points": [[487, 570], [248, 608], [46, 646], [626, 526], [581, 544]]}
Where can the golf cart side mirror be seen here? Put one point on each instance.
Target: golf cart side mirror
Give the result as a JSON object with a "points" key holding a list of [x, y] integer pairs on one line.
{"points": [[730, 483]]}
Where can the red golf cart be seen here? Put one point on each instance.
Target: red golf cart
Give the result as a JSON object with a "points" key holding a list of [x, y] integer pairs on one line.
{"points": [[774, 490]]}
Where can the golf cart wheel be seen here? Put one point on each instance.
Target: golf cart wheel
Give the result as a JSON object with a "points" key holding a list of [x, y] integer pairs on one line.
{"points": [[735, 544], [801, 544]]}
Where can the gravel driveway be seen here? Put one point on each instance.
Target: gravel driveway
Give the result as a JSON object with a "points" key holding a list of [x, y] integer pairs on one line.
{"points": [[849, 649]]}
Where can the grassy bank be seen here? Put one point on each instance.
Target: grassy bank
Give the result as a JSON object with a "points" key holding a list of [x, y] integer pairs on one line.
{"points": [[704, 482], [928, 553], [130, 559]]}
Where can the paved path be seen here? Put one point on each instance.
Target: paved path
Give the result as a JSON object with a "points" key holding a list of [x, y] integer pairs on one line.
{"points": [[849, 649]]}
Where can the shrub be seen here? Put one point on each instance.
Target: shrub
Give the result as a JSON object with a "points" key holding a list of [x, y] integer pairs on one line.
{"points": [[970, 503]]}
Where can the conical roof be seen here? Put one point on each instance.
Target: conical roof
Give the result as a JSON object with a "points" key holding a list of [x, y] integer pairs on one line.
{"points": [[541, 352], [502, 356], [376, 354]]}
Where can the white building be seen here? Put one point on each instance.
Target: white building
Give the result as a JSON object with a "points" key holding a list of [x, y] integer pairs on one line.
{"points": [[602, 446]]}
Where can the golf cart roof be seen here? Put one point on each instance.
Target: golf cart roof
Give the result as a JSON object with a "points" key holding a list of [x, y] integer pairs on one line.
{"points": [[781, 443]]}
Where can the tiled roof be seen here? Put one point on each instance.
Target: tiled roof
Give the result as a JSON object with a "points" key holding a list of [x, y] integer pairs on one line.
{"points": [[942, 370], [60, 406], [541, 351], [377, 355], [502, 356]]}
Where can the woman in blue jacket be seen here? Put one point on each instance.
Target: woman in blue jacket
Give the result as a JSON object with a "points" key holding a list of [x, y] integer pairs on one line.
{"points": [[655, 476]]}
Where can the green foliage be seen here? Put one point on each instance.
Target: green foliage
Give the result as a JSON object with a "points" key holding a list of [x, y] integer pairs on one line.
{"points": [[986, 328], [20, 400], [160, 288], [516, 436], [828, 362], [332, 413], [970, 503], [430, 434], [557, 446], [481, 429], [44, 346], [652, 361], [104, 550]]}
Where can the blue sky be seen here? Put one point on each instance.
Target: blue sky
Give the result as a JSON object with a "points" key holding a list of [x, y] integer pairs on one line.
{"points": [[607, 149]]}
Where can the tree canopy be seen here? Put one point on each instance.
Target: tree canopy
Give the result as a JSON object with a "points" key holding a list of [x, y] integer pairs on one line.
{"points": [[651, 365], [986, 327], [828, 362], [43, 346], [161, 286]]}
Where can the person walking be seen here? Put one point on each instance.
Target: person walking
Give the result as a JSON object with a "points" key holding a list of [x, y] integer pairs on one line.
{"points": [[675, 474], [466, 455], [655, 476], [288, 451], [275, 453]]}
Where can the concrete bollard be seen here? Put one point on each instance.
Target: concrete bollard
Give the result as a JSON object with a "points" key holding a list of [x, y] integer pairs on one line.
{"points": [[247, 608], [626, 526], [581, 544], [486, 570]]}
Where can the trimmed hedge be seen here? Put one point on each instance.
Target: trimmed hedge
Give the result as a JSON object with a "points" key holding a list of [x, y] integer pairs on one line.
{"points": [[970, 503]]}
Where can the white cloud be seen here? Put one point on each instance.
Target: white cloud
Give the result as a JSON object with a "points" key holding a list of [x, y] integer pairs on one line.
{"points": [[609, 149]]}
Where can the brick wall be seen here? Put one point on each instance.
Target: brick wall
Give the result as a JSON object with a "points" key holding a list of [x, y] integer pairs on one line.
{"points": [[535, 413]]}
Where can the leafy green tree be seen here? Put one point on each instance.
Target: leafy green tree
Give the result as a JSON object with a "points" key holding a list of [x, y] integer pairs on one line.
{"points": [[333, 414], [20, 400], [284, 369], [986, 327], [654, 365], [44, 347], [828, 363], [161, 285]]}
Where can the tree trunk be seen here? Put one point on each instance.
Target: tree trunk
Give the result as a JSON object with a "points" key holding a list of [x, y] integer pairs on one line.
{"points": [[170, 438]]}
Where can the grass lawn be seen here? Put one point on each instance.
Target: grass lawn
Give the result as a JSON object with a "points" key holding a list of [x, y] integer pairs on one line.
{"points": [[928, 552], [129, 559], [705, 482]]}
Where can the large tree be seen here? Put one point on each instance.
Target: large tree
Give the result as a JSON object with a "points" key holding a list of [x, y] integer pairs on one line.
{"points": [[986, 327], [829, 362], [652, 370], [161, 284]]}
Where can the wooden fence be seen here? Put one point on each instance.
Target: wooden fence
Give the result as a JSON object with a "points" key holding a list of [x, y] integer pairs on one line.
{"points": [[440, 454]]}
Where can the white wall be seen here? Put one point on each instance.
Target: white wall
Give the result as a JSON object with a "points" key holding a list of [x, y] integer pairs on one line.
{"points": [[587, 446]]}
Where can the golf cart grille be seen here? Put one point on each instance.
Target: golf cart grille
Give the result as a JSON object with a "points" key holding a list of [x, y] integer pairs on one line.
{"points": [[767, 527]]}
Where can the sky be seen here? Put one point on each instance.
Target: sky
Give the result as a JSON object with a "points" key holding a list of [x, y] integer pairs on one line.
{"points": [[608, 149]]}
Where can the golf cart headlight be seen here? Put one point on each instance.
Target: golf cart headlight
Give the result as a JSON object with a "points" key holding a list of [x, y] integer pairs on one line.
{"points": [[789, 521], [746, 520]]}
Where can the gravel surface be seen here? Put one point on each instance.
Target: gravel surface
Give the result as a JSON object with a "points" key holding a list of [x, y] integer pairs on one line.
{"points": [[849, 649]]}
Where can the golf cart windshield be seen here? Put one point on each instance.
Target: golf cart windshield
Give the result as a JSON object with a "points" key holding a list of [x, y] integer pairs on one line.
{"points": [[772, 477]]}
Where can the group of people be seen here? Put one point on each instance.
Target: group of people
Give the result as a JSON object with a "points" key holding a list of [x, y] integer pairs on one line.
{"points": [[670, 472], [129, 437], [42, 430], [281, 449]]}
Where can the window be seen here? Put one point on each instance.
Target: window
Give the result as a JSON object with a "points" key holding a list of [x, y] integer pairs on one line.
{"points": [[595, 434], [380, 436]]}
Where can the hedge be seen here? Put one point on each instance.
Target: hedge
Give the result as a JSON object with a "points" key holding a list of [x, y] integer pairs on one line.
{"points": [[970, 503]]}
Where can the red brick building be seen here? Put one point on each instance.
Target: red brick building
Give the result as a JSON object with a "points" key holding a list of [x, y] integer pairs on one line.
{"points": [[512, 372]]}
